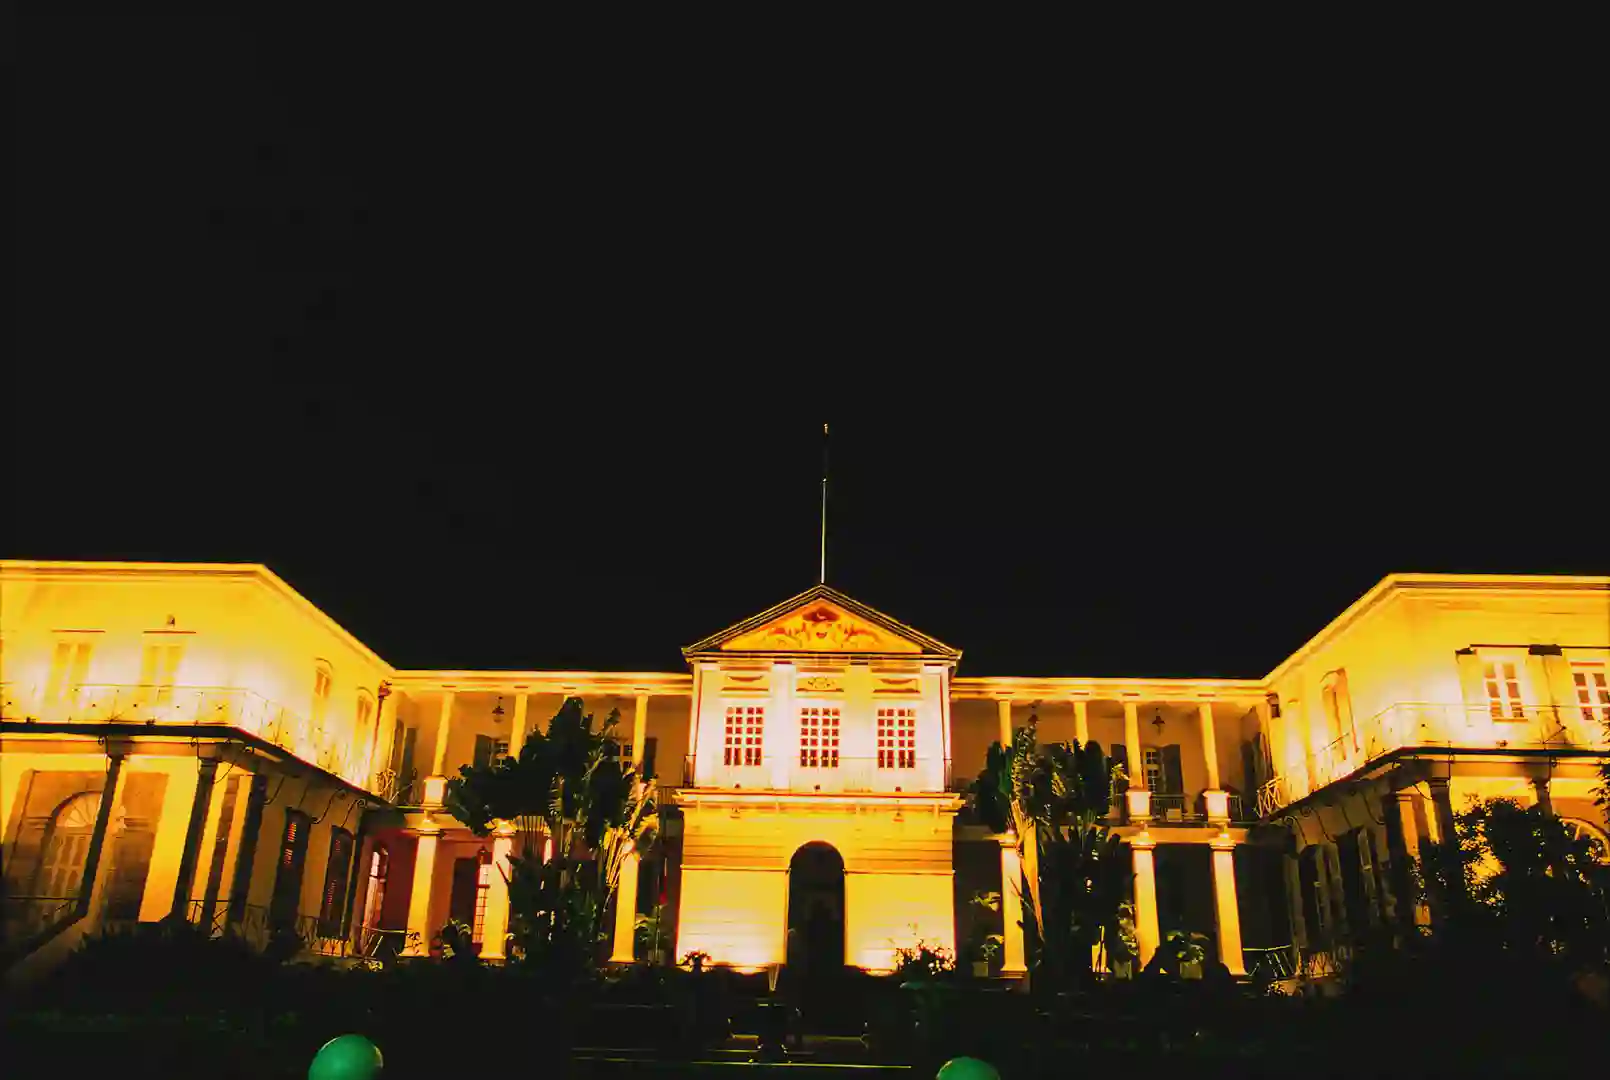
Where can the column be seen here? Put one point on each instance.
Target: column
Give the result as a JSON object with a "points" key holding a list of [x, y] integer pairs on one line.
{"points": [[1442, 805], [111, 795], [1403, 848], [1225, 907], [184, 883], [438, 766], [639, 731], [1217, 800], [1081, 721], [626, 911], [240, 884], [518, 733], [1146, 932], [167, 846], [1139, 799], [1013, 957], [495, 925], [419, 895], [1003, 708]]}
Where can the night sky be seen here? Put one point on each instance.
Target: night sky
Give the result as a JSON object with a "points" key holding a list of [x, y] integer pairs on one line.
{"points": [[504, 364]]}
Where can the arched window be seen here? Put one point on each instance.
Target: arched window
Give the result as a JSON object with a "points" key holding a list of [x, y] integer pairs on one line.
{"points": [[67, 837], [1598, 844]]}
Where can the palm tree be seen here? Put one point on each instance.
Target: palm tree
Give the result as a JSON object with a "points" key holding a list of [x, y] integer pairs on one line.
{"points": [[1052, 799], [569, 784]]}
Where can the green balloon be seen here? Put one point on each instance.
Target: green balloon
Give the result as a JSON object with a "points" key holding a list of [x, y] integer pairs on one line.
{"points": [[347, 1057], [966, 1068]]}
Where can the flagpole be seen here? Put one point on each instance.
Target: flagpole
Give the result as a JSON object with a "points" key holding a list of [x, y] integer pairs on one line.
{"points": [[822, 575]]}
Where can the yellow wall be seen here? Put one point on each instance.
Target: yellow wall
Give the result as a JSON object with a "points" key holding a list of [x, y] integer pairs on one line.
{"points": [[250, 647]]}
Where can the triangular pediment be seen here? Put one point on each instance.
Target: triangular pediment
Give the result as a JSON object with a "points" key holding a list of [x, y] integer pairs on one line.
{"points": [[822, 620]]}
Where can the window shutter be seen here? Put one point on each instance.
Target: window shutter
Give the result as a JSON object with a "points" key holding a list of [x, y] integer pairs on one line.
{"points": [[1120, 756], [410, 737], [1173, 776], [648, 757], [1471, 684], [483, 751], [461, 903]]}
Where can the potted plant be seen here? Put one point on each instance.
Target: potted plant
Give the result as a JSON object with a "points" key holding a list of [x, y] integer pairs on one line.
{"points": [[696, 961], [987, 955], [1120, 944]]}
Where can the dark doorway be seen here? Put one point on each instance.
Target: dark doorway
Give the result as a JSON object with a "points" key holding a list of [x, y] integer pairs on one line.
{"points": [[816, 910]]}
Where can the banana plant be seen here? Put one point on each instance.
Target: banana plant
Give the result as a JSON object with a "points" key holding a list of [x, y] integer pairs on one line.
{"points": [[568, 787], [1052, 798]]}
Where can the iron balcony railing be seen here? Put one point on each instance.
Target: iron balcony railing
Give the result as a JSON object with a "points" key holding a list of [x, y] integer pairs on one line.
{"points": [[22, 917], [1447, 727], [256, 926], [328, 746], [820, 772]]}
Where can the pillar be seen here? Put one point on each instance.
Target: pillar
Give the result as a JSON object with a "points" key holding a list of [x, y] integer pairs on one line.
{"points": [[111, 795], [1003, 708], [495, 925], [1442, 805], [517, 735], [1540, 788], [189, 855], [639, 731], [1147, 936], [626, 911], [1403, 848], [1137, 769], [167, 845], [1225, 907], [1081, 721], [1013, 957], [419, 895], [438, 766], [1210, 745], [240, 884]]}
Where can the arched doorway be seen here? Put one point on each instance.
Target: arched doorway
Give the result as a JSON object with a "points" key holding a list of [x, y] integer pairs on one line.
{"points": [[816, 910]]}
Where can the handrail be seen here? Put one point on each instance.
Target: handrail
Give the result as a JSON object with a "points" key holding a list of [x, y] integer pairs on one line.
{"points": [[1446, 726], [326, 746], [887, 773]]}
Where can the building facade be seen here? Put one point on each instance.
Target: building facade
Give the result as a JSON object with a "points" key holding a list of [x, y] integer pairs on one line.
{"points": [[199, 741]]}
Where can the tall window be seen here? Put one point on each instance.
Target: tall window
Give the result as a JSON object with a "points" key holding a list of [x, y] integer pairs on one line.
{"points": [[1592, 691], [375, 897], [1153, 758], [287, 896], [819, 737], [483, 889], [897, 738], [159, 667], [61, 871], [69, 668], [1339, 708], [321, 694], [333, 900], [744, 731], [1503, 689]]}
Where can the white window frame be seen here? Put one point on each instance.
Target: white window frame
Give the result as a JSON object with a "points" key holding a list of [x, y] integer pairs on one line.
{"points": [[743, 736], [1151, 765], [821, 730], [69, 670], [1593, 691], [1503, 681], [160, 657], [897, 737]]}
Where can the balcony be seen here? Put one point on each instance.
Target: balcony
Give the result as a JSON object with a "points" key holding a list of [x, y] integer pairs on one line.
{"points": [[327, 747], [839, 775], [1432, 725]]}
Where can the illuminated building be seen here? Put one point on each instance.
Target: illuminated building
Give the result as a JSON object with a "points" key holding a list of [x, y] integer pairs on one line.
{"points": [[269, 772]]}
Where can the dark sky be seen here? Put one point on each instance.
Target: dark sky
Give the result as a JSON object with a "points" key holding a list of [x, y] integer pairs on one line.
{"points": [[510, 356]]}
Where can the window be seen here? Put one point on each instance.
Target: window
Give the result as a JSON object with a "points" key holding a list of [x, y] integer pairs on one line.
{"points": [[1503, 689], [61, 871], [365, 713], [490, 752], [1153, 758], [286, 902], [744, 730], [1592, 691], [69, 668], [159, 665], [375, 897], [321, 693], [1339, 708], [819, 737], [897, 738], [483, 888], [333, 902]]}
